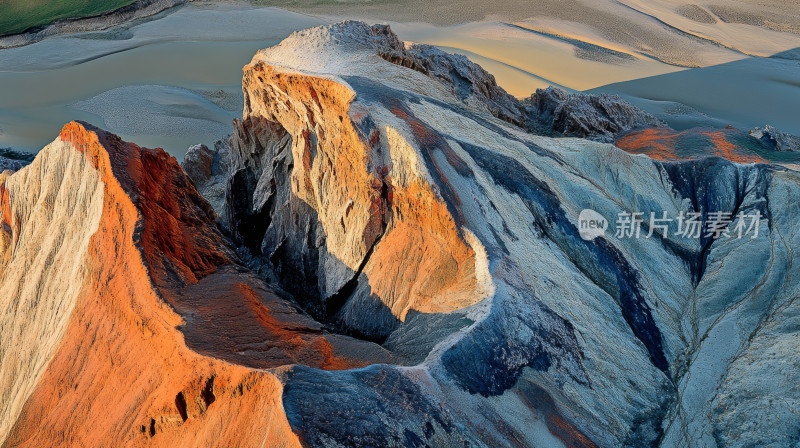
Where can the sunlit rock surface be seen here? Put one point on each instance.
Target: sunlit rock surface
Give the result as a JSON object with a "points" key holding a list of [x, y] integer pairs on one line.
{"points": [[389, 204], [129, 323], [406, 269]]}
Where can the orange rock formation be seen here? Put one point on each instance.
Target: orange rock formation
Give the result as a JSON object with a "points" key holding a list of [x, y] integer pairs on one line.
{"points": [[374, 212], [161, 293]]}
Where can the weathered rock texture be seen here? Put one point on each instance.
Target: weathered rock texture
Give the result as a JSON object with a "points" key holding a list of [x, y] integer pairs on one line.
{"points": [[13, 160], [129, 323], [598, 117], [436, 230], [391, 196], [468, 81], [9, 164], [209, 169], [777, 140]]}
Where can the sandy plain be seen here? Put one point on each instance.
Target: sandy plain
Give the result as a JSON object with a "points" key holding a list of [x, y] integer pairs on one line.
{"points": [[175, 80]]}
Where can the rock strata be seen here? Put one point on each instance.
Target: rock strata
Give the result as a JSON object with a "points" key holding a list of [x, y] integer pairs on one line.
{"points": [[405, 267], [398, 210], [140, 328]]}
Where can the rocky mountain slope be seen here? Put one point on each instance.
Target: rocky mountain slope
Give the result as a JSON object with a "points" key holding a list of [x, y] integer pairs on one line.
{"points": [[405, 268], [13, 160], [209, 169], [775, 139], [9, 164], [631, 340], [554, 112], [138, 328]]}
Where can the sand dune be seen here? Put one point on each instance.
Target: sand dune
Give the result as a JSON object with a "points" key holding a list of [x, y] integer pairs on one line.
{"points": [[575, 44], [690, 34], [746, 93], [547, 59]]}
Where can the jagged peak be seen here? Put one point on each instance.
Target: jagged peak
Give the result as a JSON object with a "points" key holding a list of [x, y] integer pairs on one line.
{"points": [[177, 221], [356, 49]]}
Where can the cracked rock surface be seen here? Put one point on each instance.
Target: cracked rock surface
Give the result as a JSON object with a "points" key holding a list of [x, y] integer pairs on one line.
{"points": [[351, 140], [397, 262], [597, 117]]}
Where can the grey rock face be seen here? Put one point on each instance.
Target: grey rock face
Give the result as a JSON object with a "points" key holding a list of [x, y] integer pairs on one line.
{"points": [[597, 117], [468, 81], [262, 214], [472, 84], [550, 111], [209, 169], [13, 160], [10, 165], [614, 342], [419, 421], [198, 162], [779, 141]]}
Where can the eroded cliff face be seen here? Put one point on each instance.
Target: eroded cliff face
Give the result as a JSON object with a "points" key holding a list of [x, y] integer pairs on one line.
{"points": [[604, 117], [407, 270], [338, 201], [130, 323], [388, 188], [45, 263]]}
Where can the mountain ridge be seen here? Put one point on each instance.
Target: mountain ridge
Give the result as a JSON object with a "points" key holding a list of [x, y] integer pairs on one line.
{"points": [[404, 268]]}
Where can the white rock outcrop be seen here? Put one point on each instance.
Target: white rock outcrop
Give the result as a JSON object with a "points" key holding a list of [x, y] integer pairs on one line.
{"points": [[617, 341], [50, 211]]}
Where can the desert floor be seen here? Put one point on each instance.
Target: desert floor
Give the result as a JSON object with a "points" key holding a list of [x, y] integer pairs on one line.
{"points": [[175, 80]]}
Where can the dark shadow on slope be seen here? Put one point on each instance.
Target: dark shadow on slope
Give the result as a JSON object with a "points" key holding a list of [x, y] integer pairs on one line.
{"points": [[622, 279], [286, 245], [371, 407], [716, 185], [492, 360]]}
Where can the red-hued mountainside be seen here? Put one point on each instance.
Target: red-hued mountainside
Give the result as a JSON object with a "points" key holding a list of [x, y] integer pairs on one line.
{"points": [[397, 258], [165, 333]]}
